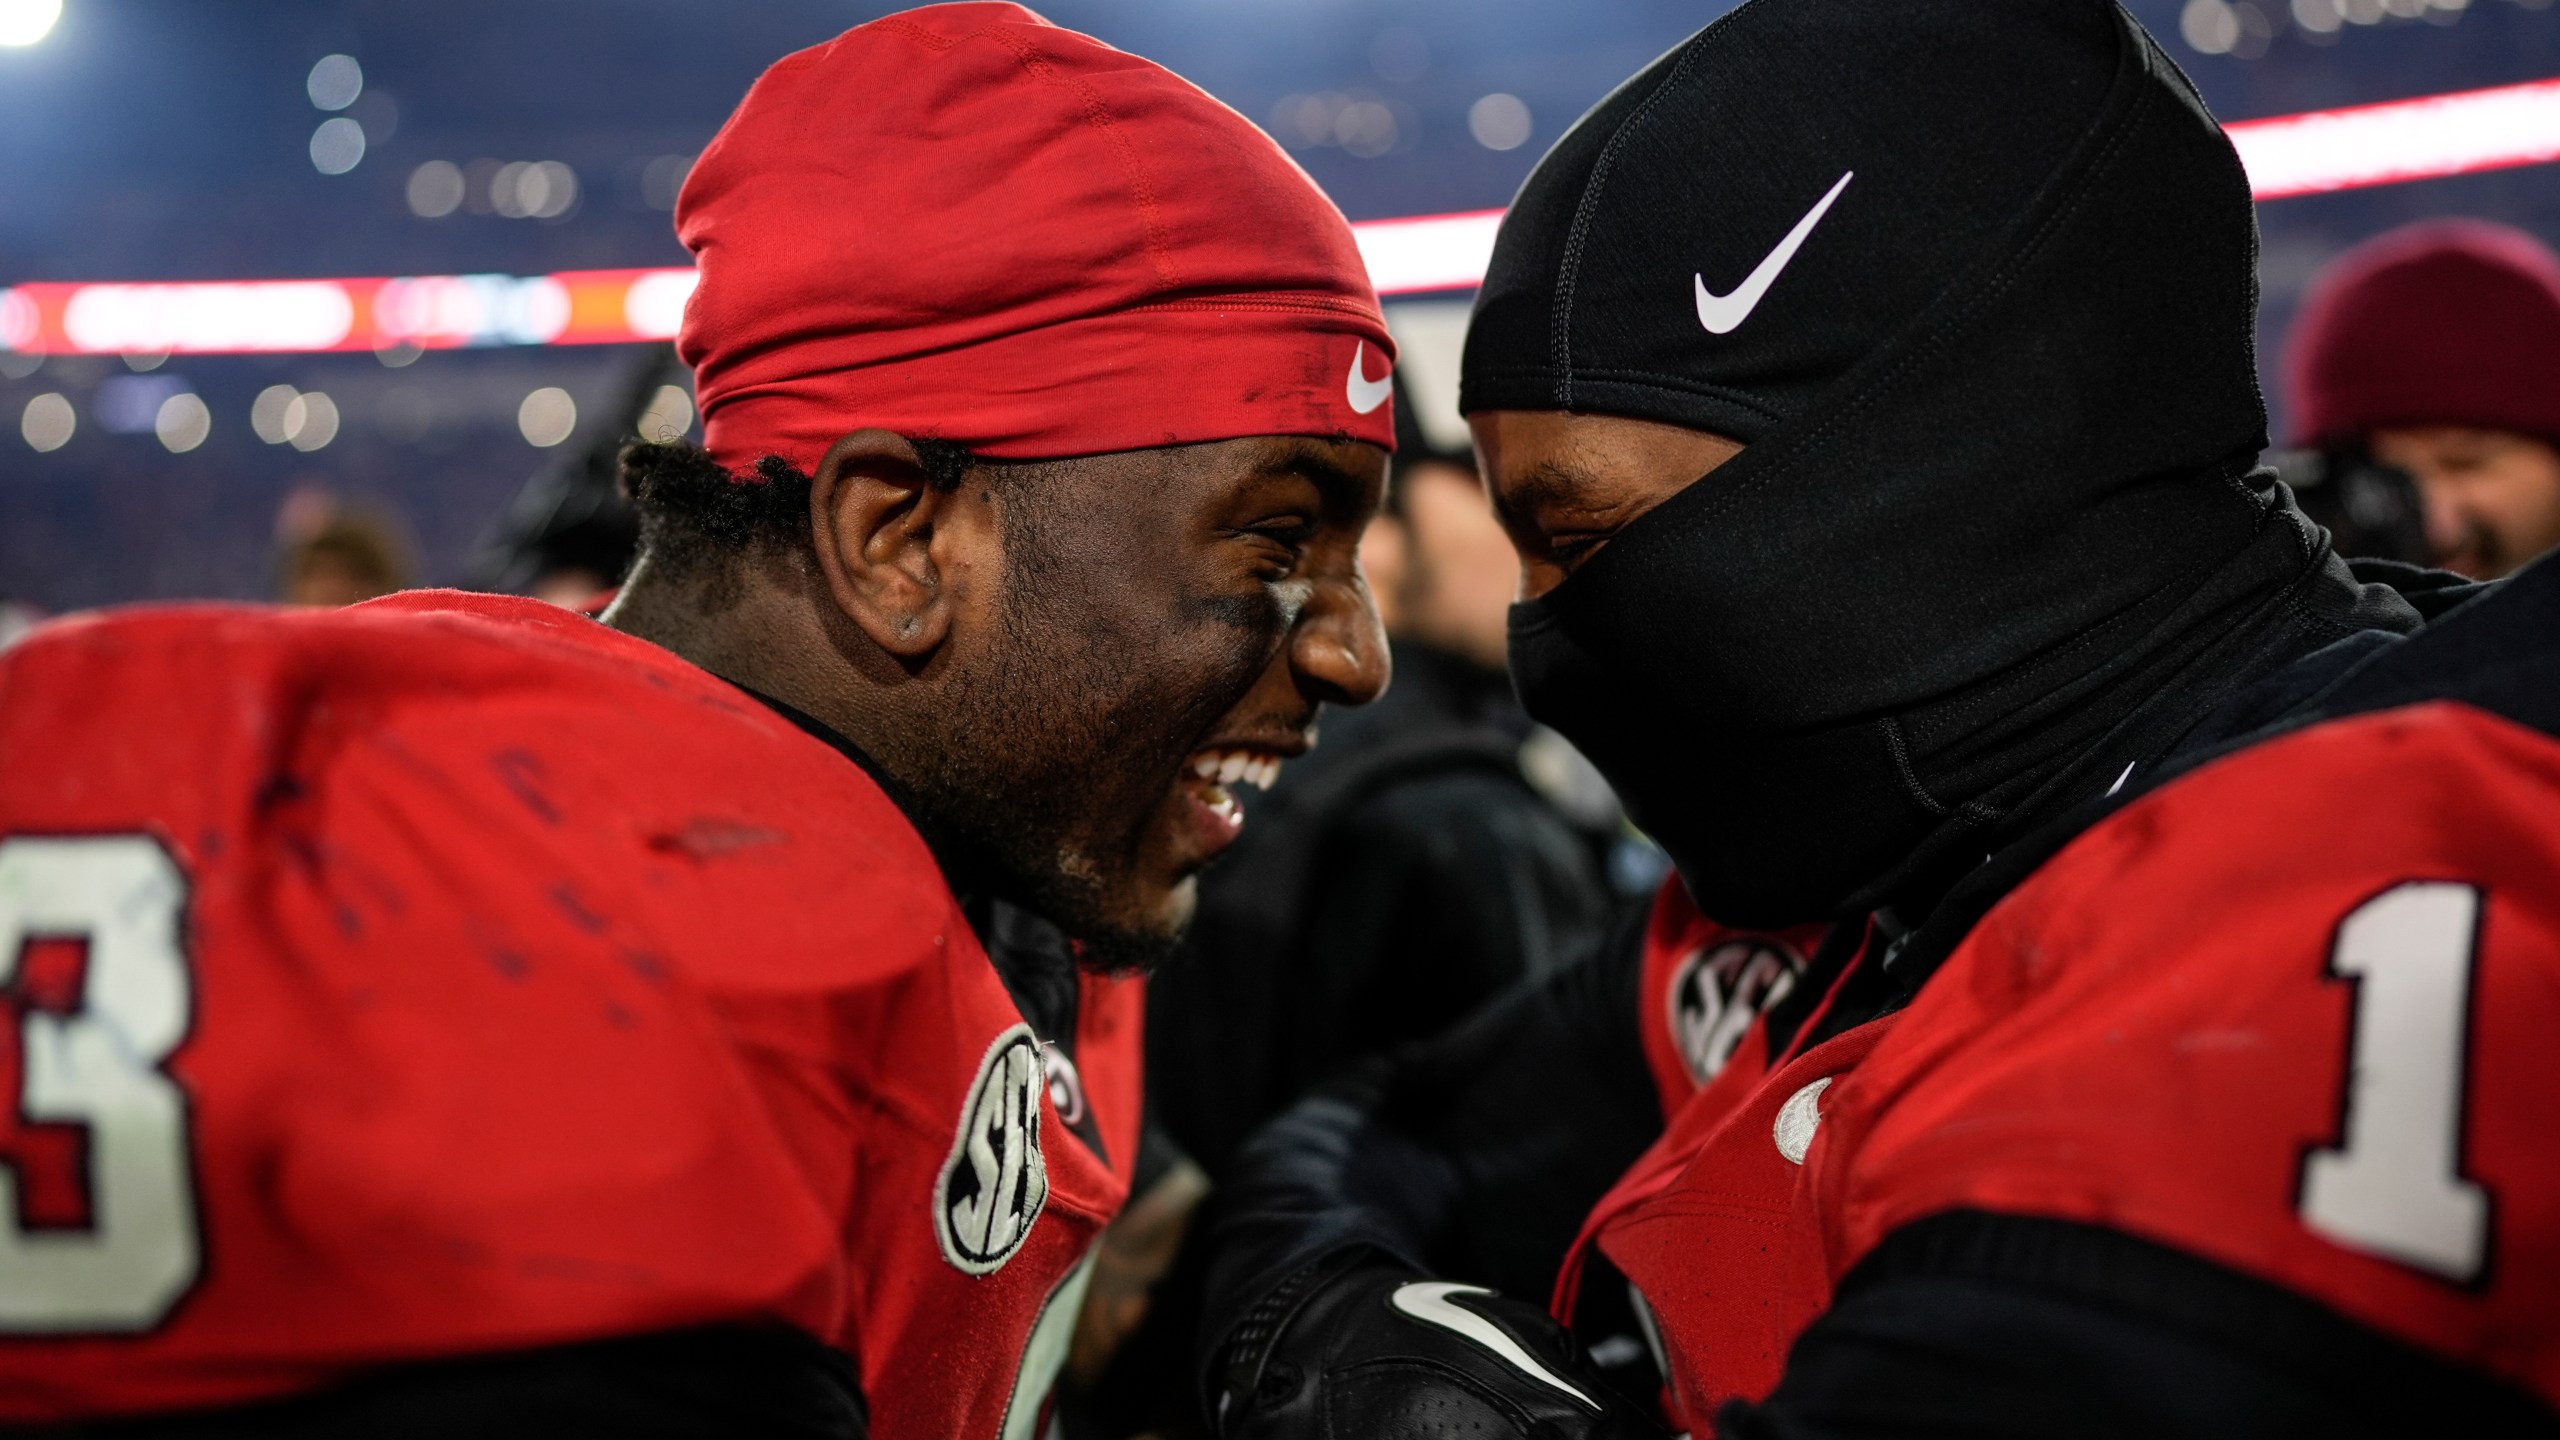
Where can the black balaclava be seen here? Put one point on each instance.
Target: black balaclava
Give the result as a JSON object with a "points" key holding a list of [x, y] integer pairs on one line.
{"points": [[1974, 283]]}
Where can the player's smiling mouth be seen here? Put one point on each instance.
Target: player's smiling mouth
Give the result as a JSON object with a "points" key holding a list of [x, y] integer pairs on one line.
{"points": [[1207, 787]]}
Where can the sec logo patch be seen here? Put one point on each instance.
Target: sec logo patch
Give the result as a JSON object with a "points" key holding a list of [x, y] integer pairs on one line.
{"points": [[1719, 990], [995, 1181]]}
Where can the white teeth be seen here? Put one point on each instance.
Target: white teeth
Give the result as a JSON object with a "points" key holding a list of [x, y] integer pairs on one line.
{"points": [[1228, 767]]}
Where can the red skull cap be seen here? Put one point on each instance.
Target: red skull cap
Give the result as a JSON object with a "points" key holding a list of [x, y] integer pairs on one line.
{"points": [[965, 223]]}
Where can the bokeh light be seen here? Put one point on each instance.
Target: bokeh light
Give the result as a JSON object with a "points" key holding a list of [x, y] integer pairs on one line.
{"points": [[662, 179], [337, 146], [310, 420], [378, 113], [1366, 128], [48, 422], [1499, 121], [266, 413], [335, 82], [183, 422], [547, 416], [533, 190], [669, 416], [435, 189]]}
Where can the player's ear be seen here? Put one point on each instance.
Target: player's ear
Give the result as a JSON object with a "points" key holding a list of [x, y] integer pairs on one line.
{"points": [[874, 520]]}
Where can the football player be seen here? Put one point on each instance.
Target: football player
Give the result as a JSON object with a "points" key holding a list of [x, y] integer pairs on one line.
{"points": [[1869, 392], [453, 1015]]}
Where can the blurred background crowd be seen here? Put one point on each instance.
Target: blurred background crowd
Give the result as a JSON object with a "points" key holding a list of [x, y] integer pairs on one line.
{"points": [[518, 164]]}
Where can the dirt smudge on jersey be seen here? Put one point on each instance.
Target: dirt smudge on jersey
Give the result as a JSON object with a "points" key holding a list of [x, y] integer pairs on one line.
{"points": [[580, 1267], [649, 967], [501, 953], [2195, 1041], [565, 899], [279, 789], [520, 770], [711, 837]]}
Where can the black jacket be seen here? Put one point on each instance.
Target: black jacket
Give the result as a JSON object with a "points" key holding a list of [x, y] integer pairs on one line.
{"points": [[1398, 877]]}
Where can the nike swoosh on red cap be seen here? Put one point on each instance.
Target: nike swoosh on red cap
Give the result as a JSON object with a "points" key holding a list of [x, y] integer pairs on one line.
{"points": [[1364, 394]]}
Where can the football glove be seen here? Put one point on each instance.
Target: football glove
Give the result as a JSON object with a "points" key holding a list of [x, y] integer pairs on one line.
{"points": [[1341, 1352]]}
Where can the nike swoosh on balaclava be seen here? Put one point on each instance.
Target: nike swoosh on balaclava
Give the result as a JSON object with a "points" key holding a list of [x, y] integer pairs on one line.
{"points": [[1996, 526]]}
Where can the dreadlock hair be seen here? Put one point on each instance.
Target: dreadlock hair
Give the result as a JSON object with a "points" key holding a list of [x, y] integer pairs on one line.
{"points": [[696, 516]]}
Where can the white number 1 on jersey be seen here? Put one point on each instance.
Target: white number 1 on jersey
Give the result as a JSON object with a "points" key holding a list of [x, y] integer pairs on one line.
{"points": [[2393, 1184]]}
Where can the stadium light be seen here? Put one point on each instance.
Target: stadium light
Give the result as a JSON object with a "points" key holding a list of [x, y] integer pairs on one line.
{"points": [[24, 22], [2403, 140]]}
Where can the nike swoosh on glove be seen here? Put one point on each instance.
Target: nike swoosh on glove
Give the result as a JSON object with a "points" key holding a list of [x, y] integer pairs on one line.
{"points": [[1351, 1353]]}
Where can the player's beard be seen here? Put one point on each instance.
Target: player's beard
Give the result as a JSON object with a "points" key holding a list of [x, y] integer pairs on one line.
{"points": [[1059, 753]]}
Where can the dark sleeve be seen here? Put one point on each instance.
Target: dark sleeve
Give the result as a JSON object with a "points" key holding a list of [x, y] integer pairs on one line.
{"points": [[1474, 1155], [721, 1383], [2010, 1328], [1158, 1153], [1431, 899]]}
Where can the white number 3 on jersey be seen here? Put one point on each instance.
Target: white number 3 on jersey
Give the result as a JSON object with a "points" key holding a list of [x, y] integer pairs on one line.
{"points": [[91, 1059]]}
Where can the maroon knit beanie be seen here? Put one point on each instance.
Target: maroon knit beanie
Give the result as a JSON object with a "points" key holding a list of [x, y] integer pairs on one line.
{"points": [[2451, 322]]}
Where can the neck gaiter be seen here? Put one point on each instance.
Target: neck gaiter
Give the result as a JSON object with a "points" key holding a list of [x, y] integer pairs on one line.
{"points": [[1996, 526]]}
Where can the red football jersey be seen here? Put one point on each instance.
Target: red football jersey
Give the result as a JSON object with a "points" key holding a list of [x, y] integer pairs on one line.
{"points": [[1705, 987], [1708, 985], [454, 974], [2289, 1013]]}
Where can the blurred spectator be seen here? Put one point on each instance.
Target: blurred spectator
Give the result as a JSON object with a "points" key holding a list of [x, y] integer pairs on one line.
{"points": [[570, 534], [2371, 510], [568, 541], [577, 567], [343, 558], [2435, 350], [1443, 571]]}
